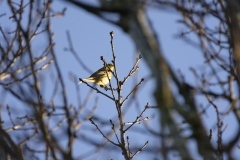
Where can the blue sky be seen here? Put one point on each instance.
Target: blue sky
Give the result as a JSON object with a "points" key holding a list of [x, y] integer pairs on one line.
{"points": [[90, 37]]}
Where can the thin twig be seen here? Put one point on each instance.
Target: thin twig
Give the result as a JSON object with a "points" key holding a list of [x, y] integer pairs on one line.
{"points": [[138, 151], [90, 119], [137, 118], [97, 90], [132, 91], [114, 131]]}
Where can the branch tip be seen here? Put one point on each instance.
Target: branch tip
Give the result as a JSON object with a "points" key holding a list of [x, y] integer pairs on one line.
{"points": [[111, 34]]}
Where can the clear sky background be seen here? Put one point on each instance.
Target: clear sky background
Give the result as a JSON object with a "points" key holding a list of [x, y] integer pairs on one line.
{"points": [[91, 39]]}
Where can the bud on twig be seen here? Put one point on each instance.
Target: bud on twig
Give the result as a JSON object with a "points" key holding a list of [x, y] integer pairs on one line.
{"points": [[111, 34]]}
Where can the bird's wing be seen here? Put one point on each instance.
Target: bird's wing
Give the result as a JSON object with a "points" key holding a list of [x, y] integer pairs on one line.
{"points": [[98, 72]]}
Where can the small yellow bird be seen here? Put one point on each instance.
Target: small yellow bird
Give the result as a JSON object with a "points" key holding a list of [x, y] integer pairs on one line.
{"points": [[100, 77]]}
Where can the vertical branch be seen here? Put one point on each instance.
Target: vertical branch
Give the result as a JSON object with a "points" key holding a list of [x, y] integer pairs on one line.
{"points": [[231, 13], [118, 104], [219, 128], [71, 137]]}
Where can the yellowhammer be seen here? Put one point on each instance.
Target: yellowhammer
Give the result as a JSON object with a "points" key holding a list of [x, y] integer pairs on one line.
{"points": [[100, 77]]}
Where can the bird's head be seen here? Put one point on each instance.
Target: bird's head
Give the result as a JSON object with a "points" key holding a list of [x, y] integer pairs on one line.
{"points": [[111, 66]]}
